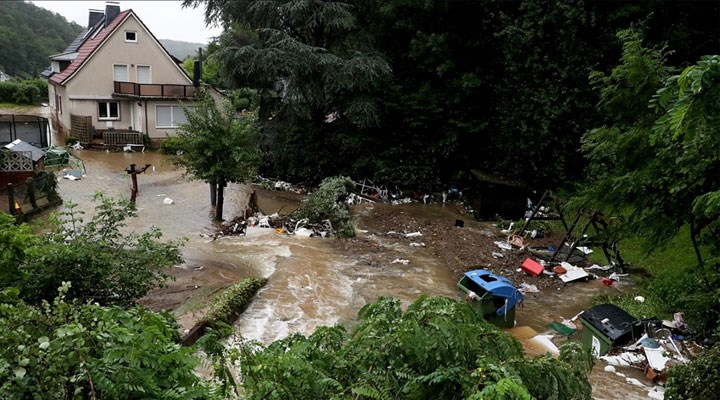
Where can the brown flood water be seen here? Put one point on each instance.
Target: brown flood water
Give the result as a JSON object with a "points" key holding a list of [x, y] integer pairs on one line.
{"points": [[309, 283]]}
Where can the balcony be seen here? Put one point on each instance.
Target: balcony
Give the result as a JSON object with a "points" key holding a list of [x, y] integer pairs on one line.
{"points": [[154, 91]]}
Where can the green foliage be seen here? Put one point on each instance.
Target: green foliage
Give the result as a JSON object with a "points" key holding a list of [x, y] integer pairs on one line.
{"points": [[697, 380], [63, 350], [219, 146], [29, 35], [438, 349], [104, 263], [22, 92], [172, 145], [227, 306], [15, 240], [327, 202]]}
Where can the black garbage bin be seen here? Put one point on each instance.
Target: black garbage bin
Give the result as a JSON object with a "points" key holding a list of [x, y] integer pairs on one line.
{"points": [[606, 326]]}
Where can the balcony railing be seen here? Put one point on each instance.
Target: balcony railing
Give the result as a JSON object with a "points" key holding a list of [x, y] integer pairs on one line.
{"points": [[152, 90]]}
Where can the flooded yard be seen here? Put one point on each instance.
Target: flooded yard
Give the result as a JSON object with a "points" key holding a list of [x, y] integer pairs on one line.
{"points": [[311, 281]]}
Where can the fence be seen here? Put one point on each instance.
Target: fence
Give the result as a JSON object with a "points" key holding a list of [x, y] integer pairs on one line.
{"points": [[32, 196]]}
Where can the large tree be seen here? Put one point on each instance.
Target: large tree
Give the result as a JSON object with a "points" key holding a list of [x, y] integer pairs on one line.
{"points": [[316, 73], [656, 162], [219, 146]]}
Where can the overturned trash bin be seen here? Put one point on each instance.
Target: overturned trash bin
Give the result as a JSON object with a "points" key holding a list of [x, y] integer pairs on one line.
{"points": [[606, 326], [492, 296]]}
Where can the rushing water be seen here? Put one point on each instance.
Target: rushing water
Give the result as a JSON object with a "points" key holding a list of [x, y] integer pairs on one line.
{"points": [[309, 283]]}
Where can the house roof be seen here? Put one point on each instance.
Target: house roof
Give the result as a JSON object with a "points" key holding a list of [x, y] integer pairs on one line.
{"points": [[88, 48], [18, 145]]}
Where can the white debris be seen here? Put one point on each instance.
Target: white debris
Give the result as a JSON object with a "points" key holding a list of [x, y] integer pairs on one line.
{"points": [[657, 393], [503, 245], [623, 359], [584, 249], [305, 232], [509, 229], [605, 268], [609, 368], [168, 200], [413, 234], [495, 254], [527, 288], [416, 244], [400, 261]]}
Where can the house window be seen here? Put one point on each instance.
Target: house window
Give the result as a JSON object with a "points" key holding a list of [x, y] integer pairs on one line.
{"points": [[120, 73], [143, 74], [108, 110], [131, 36], [169, 116]]}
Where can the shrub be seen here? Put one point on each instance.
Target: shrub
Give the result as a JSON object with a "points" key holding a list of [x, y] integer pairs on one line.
{"points": [[327, 202], [171, 145], [26, 94], [7, 91]]}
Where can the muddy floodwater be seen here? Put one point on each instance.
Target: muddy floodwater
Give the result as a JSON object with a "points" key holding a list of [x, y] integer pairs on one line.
{"points": [[310, 283]]}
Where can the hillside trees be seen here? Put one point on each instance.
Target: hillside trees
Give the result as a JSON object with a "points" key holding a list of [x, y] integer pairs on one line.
{"points": [[29, 35]]}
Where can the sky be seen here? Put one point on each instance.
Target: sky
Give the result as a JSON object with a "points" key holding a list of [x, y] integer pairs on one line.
{"points": [[165, 19]]}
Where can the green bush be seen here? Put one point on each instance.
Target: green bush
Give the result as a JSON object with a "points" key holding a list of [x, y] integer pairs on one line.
{"points": [[26, 94], [697, 380], [71, 140], [327, 202], [7, 91], [171, 145]]}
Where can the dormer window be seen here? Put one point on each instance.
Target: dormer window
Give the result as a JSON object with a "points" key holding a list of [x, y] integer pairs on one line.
{"points": [[131, 36]]}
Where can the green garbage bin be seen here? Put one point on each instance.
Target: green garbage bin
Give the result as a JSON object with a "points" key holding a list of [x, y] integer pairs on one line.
{"points": [[606, 326]]}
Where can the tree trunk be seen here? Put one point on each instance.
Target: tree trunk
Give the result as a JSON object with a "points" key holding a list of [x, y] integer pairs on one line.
{"points": [[220, 201], [213, 194]]}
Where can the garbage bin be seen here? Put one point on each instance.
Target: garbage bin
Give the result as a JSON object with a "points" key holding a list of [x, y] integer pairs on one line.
{"points": [[606, 326]]}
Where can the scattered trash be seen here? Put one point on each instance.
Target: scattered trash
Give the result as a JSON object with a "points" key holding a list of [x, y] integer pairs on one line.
{"points": [[562, 328], [413, 234], [584, 249], [509, 229], [527, 288], [623, 359], [504, 245], [605, 268], [515, 240], [609, 368], [72, 174], [416, 244], [168, 200], [77, 146], [532, 267], [657, 393], [546, 342], [400, 261], [495, 254], [573, 273], [639, 299]]}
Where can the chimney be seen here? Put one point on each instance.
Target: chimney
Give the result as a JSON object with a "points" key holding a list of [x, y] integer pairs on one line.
{"points": [[95, 17], [112, 9]]}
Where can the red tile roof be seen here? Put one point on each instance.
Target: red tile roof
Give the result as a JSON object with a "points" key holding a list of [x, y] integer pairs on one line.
{"points": [[88, 49]]}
